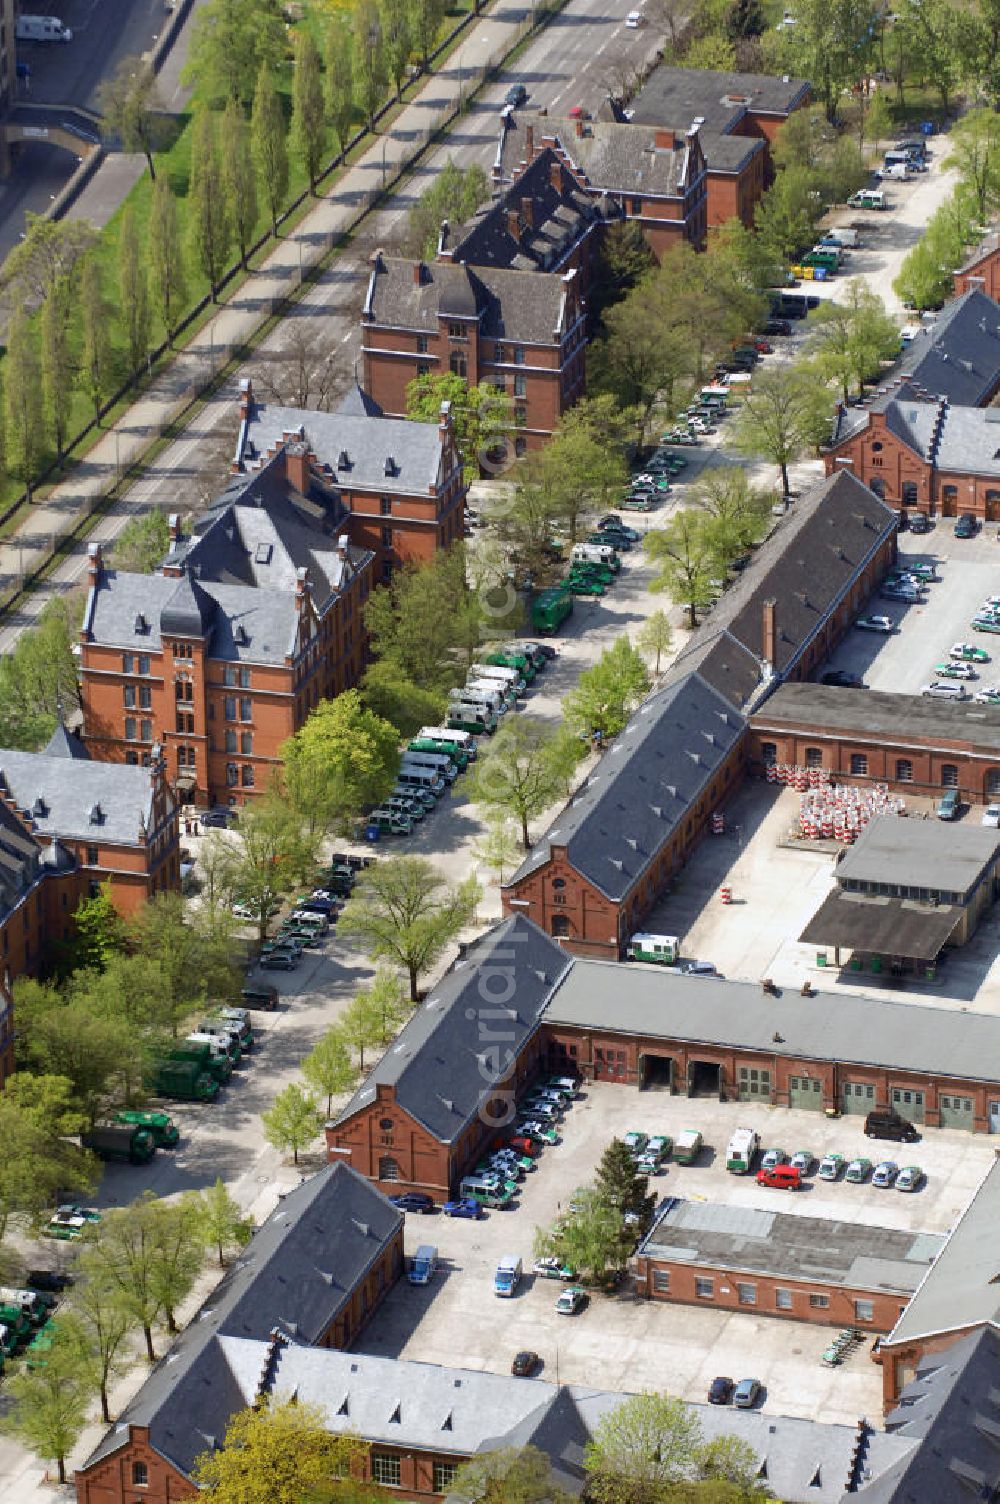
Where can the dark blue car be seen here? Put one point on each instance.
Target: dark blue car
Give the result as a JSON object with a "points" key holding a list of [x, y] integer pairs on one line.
{"points": [[413, 1201], [468, 1206]]}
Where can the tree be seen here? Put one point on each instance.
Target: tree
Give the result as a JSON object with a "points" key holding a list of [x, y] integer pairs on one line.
{"points": [[308, 128], [292, 1121], [499, 847], [239, 179], [48, 1403], [739, 513], [95, 318], [684, 552], [427, 18], [404, 911], [387, 997], [141, 543], [104, 1326], [328, 1067], [787, 215], [341, 762], [210, 228], [360, 1024], [22, 395], [607, 693], [428, 624], [594, 1241], [167, 281], [513, 1475], [398, 39], [733, 1460], [272, 855], [454, 194], [644, 354], [583, 464], [369, 57], [339, 79], [389, 694], [120, 1255], [268, 146], [638, 1449], [831, 43], [64, 1035], [131, 108], [230, 43], [38, 1164], [57, 367], [192, 961], [517, 774], [975, 153], [852, 337], [772, 420], [277, 1454], [45, 258], [221, 1220], [305, 371], [619, 1184], [656, 636], [178, 1252], [100, 931], [133, 289], [481, 415]]}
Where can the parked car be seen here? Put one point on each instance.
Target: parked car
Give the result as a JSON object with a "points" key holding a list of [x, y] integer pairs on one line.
{"points": [[466, 1206], [858, 1171], [551, 1268], [940, 689], [948, 806], [720, 1391], [967, 652], [890, 1125], [780, 1178], [991, 816], [524, 1364], [910, 1178], [413, 1201], [571, 1301], [259, 995], [279, 960], [219, 818], [635, 1141], [966, 526], [772, 1157], [516, 95], [875, 624], [920, 522], [803, 1160], [841, 679], [746, 1394], [953, 670], [778, 326], [830, 1166], [884, 1174], [49, 1281]]}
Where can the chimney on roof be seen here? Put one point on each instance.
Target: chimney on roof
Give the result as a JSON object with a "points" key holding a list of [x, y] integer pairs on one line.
{"points": [[174, 526], [297, 467], [527, 213], [301, 587], [342, 543], [579, 128], [529, 142], [556, 175], [663, 138], [418, 273], [246, 398], [769, 631], [513, 224], [93, 565], [444, 423]]}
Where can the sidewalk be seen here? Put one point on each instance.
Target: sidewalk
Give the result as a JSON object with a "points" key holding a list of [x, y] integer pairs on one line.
{"points": [[487, 43]]}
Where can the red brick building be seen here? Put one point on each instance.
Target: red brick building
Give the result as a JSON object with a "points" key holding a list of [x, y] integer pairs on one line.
{"points": [[625, 834], [981, 271], [520, 330]]}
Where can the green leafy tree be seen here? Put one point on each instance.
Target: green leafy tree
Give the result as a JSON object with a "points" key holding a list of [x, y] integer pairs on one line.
{"points": [[428, 624], [518, 774], [48, 1403], [370, 72], [787, 215], [167, 281], [398, 36], [292, 1121], [686, 559], [230, 43], [644, 354], [607, 693], [142, 543], [832, 44], [279, 1453], [133, 290], [38, 680], [427, 18], [192, 961], [120, 1254], [454, 194], [730, 1459], [656, 636], [922, 281], [221, 1220], [639, 1449], [513, 1475], [178, 1253], [65, 1036], [271, 856], [342, 761], [38, 1163], [328, 1067], [95, 321], [772, 420], [339, 79], [975, 154], [594, 1241], [57, 368], [308, 129], [389, 694], [388, 1000], [239, 178], [482, 416], [100, 930], [44, 258], [851, 338], [360, 1024], [22, 397], [405, 912], [208, 219], [499, 847], [739, 514], [583, 465], [268, 144], [104, 1329], [131, 109], [620, 1186]]}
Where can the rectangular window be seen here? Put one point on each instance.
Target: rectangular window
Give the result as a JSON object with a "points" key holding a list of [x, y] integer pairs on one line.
{"points": [[385, 505], [456, 331], [248, 776], [232, 775], [864, 1310], [859, 764], [246, 709], [782, 1300], [520, 385], [131, 758], [129, 696], [93, 856], [819, 1302], [145, 731], [387, 537], [128, 663], [230, 707], [244, 678], [246, 743], [444, 1476], [385, 1470], [518, 355], [747, 1294], [423, 369], [144, 663], [145, 697], [230, 741], [501, 354], [661, 1281], [421, 344], [130, 728], [229, 677], [704, 1287]]}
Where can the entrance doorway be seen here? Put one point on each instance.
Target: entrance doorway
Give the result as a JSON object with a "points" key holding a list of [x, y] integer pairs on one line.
{"points": [[657, 1073], [994, 1117], [704, 1079], [908, 1104]]}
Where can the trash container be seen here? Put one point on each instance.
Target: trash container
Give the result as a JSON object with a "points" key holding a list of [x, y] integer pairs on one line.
{"points": [[373, 832], [821, 958], [855, 963], [876, 963]]}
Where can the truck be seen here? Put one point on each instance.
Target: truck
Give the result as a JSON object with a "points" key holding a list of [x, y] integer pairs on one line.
{"points": [[423, 1265], [740, 1151], [508, 1275], [457, 754], [461, 715], [510, 658], [121, 1142], [465, 741], [160, 1124], [41, 29], [216, 1062], [645, 946], [34, 1306], [17, 1323], [511, 677], [219, 1041], [596, 553], [687, 1146], [183, 1079], [550, 609]]}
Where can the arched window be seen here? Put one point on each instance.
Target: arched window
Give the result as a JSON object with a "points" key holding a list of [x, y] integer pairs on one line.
{"points": [[877, 447], [877, 484], [388, 1168], [768, 753], [909, 493], [993, 496], [814, 757], [949, 776], [560, 926], [904, 770], [558, 882]]}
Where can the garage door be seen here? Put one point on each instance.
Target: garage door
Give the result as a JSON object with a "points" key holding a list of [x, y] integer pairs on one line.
{"points": [[857, 1097], [753, 1084], [956, 1112], [909, 1104], [805, 1091]]}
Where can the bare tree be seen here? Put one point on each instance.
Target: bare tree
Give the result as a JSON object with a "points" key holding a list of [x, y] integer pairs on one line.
{"points": [[303, 373]]}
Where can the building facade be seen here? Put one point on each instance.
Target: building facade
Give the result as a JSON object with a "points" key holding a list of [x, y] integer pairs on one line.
{"points": [[981, 271]]}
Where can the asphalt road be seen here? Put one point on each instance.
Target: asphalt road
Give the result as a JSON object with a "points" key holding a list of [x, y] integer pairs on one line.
{"points": [[570, 62]]}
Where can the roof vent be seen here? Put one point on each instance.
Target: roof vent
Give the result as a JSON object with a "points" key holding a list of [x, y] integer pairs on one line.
{"points": [[343, 460], [396, 1419], [240, 636], [362, 1227], [141, 625], [39, 809], [96, 815], [446, 1424], [816, 1481], [390, 465], [345, 1408], [263, 554]]}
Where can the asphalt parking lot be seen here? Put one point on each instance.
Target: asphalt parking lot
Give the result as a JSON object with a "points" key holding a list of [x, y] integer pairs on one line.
{"points": [[621, 1342]]}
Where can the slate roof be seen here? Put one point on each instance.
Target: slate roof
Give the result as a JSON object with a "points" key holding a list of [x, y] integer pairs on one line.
{"points": [[441, 1064], [962, 1289], [851, 1255], [64, 743], [556, 220], [882, 925], [615, 156], [986, 247], [920, 853], [525, 306], [643, 787], [826, 710], [674, 96], [957, 357], [357, 403], [20, 858], [950, 1410], [101, 802], [962, 439], [293, 1277], [187, 611], [848, 1029]]}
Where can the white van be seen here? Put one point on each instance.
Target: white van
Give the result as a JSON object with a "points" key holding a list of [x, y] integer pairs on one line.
{"points": [[896, 165], [431, 762], [869, 198], [595, 553], [421, 778], [509, 676], [660, 949], [41, 29], [478, 720], [849, 238], [482, 692], [464, 740], [740, 1151]]}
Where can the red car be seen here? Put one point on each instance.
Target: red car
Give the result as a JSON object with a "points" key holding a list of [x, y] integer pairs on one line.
{"points": [[763, 345], [524, 1146], [781, 1177]]}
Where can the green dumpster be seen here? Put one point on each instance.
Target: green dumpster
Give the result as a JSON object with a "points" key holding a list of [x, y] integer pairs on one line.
{"points": [[876, 963], [821, 958], [855, 963]]}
